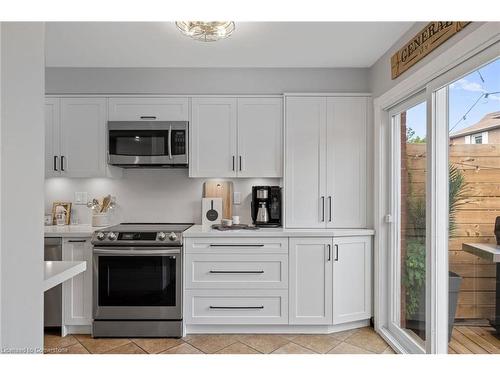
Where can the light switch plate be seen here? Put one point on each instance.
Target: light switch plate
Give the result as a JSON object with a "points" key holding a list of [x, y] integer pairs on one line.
{"points": [[81, 197], [236, 197]]}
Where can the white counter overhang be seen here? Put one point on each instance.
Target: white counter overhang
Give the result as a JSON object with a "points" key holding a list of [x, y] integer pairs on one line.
{"points": [[57, 272]]}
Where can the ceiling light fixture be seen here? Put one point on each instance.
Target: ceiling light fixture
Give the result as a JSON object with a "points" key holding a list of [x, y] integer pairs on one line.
{"points": [[206, 31]]}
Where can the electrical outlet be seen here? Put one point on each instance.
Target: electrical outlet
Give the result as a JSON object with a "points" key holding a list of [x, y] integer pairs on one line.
{"points": [[81, 197], [236, 197]]}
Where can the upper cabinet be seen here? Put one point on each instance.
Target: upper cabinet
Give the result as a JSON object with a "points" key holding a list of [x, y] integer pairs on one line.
{"points": [[75, 137], [236, 137], [148, 109], [325, 158]]}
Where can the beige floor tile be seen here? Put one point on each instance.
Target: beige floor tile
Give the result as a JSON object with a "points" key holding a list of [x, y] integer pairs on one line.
{"points": [[156, 345], [212, 343], [368, 339], [341, 336], [129, 348], [289, 336], [263, 343], [318, 343], [238, 348], [183, 348], [54, 341], [72, 349], [292, 348], [100, 345], [345, 348], [389, 350]]}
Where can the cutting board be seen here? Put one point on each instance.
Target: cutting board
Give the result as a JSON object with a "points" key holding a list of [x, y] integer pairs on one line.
{"points": [[220, 189]]}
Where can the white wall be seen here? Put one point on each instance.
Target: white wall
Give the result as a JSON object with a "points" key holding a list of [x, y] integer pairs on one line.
{"points": [[21, 176], [149, 195], [205, 80]]}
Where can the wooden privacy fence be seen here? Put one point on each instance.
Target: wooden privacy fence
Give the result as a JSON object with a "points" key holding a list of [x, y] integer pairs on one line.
{"points": [[480, 165]]}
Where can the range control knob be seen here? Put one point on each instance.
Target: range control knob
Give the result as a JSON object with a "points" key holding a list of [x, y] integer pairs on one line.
{"points": [[172, 236], [162, 236], [100, 236], [111, 236]]}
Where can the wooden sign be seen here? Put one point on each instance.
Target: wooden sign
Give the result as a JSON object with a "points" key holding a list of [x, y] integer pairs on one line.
{"points": [[429, 38]]}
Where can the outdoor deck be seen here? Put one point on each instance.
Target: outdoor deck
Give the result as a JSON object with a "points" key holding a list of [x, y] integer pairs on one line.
{"points": [[474, 340]]}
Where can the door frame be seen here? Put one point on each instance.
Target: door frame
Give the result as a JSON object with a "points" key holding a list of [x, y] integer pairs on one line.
{"points": [[479, 40]]}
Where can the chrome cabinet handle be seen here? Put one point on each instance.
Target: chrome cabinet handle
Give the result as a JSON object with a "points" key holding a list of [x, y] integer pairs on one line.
{"points": [[230, 272], [236, 245], [329, 252], [62, 163], [330, 208], [55, 163], [148, 117], [236, 307], [336, 252], [322, 209], [170, 142]]}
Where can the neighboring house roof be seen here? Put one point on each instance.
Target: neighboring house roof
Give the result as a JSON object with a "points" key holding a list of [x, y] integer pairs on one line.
{"points": [[489, 122]]}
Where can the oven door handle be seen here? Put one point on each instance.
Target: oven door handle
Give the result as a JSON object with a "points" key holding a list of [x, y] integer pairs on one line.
{"points": [[145, 251]]}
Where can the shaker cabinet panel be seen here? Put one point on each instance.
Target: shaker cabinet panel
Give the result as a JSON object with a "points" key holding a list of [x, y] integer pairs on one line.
{"points": [[213, 137], [305, 162], [310, 281], [52, 137], [260, 123], [148, 109], [77, 292]]}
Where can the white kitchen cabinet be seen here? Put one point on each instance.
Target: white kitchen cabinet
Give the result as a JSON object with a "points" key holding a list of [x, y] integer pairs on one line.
{"points": [[352, 279], [77, 292], [310, 281], [236, 137], [52, 137], [305, 162], [346, 161], [148, 109], [83, 137], [325, 161], [260, 124], [213, 137]]}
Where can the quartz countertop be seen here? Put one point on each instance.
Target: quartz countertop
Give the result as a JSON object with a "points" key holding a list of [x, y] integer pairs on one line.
{"points": [[486, 251], [80, 230], [201, 231], [57, 272]]}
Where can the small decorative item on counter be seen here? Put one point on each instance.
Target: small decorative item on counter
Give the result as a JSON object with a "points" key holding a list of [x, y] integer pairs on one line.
{"points": [[47, 220], [61, 213], [100, 210], [211, 211], [236, 220], [227, 222]]}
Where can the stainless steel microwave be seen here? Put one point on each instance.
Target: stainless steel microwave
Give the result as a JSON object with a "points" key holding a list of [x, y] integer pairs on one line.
{"points": [[148, 144]]}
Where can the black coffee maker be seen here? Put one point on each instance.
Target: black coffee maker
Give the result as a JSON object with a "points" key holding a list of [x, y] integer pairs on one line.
{"points": [[266, 206]]}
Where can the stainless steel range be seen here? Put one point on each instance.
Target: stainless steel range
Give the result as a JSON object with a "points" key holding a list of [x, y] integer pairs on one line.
{"points": [[137, 280]]}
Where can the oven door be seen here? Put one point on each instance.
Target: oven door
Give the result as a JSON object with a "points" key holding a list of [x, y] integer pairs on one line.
{"points": [[137, 283], [133, 143]]}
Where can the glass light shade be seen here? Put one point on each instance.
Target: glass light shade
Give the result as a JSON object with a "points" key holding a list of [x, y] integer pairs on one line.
{"points": [[206, 31]]}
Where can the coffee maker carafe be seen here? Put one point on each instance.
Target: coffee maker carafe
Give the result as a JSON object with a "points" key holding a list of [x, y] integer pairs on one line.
{"points": [[266, 206]]}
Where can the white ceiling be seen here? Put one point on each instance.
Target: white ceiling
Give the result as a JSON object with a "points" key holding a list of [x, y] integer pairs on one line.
{"points": [[253, 44]]}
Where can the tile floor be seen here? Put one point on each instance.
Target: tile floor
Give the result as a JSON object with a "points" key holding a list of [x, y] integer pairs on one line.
{"points": [[356, 341]]}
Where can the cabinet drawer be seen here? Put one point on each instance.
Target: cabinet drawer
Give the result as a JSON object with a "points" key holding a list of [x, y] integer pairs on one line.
{"points": [[236, 271], [236, 245], [148, 109], [236, 307]]}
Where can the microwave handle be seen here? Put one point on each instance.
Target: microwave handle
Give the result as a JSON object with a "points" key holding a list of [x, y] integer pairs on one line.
{"points": [[170, 142]]}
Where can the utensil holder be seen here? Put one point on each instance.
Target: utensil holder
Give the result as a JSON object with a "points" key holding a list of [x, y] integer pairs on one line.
{"points": [[100, 220]]}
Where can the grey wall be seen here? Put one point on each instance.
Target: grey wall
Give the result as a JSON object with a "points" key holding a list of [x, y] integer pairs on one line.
{"points": [[380, 72], [21, 192], [204, 80]]}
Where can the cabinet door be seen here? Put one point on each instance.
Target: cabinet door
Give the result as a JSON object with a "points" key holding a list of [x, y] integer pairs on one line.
{"points": [[352, 279], [77, 292], [52, 137], [305, 154], [83, 132], [213, 137], [260, 123], [346, 162], [148, 109], [310, 281]]}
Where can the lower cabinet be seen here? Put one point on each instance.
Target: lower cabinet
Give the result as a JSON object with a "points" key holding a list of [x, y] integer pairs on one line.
{"points": [[77, 292], [330, 280]]}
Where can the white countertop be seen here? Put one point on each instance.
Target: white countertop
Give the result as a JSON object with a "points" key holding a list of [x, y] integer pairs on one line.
{"points": [[57, 272], [80, 230], [200, 231], [486, 251]]}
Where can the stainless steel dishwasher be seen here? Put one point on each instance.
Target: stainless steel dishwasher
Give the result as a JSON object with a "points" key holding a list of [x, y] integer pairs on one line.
{"points": [[52, 305]]}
